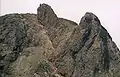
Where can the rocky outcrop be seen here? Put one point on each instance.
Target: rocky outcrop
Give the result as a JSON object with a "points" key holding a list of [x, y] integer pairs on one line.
{"points": [[88, 52], [44, 45], [57, 28], [46, 16]]}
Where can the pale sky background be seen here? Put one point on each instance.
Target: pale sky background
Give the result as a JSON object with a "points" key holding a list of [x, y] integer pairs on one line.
{"points": [[108, 11]]}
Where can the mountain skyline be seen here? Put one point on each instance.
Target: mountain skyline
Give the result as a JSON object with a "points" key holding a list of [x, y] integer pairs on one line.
{"points": [[107, 11]]}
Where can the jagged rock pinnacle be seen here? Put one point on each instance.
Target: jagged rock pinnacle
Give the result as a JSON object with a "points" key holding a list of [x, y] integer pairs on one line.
{"points": [[89, 17], [88, 20], [46, 15]]}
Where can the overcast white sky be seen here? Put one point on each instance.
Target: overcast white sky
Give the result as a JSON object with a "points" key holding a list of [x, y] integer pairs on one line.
{"points": [[108, 11]]}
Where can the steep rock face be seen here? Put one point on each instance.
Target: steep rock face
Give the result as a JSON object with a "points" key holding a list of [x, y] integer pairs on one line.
{"points": [[58, 28], [89, 51], [44, 45]]}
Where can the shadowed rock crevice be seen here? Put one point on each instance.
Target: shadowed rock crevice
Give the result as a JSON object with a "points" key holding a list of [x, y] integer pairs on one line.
{"points": [[106, 59]]}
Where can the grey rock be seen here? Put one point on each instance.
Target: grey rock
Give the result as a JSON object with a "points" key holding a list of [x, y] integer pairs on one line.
{"points": [[87, 53], [46, 16], [44, 45]]}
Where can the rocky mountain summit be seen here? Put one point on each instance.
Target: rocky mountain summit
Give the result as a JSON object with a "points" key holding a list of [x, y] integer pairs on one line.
{"points": [[45, 45]]}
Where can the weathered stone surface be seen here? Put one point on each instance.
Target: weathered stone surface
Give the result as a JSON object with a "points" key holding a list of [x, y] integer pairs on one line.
{"points": [[44, 45], [46, 15]]}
